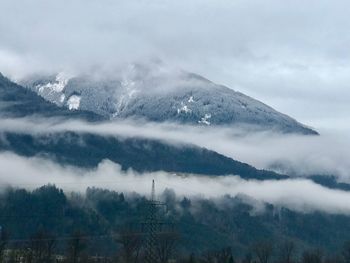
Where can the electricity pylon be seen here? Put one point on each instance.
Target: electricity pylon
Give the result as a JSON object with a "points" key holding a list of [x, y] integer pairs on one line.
{"points": [[153, 226]]}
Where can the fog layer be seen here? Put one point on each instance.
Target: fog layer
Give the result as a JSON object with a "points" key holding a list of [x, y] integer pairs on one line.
{"points": [[296, 194], [287, 153]]}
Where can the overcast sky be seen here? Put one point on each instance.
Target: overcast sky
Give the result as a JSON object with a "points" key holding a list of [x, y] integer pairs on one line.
{"points": [[293, 55]]}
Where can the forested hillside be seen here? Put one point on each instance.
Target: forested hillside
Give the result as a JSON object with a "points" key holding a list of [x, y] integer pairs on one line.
{"points": [[105, 220]]}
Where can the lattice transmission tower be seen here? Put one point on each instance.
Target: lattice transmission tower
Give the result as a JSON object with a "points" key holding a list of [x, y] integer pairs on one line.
{"points": [[153, 226]]}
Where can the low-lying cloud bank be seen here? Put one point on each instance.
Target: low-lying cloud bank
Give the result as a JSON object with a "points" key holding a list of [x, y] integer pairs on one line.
{"points": [[286, 153], [297, 194]]}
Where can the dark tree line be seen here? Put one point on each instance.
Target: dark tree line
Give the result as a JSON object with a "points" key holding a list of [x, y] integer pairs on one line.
{"points": [[267, 252], [43, 247]]}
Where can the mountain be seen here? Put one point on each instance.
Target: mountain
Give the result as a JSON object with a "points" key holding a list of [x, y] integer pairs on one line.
{"points": [[158, 94]]}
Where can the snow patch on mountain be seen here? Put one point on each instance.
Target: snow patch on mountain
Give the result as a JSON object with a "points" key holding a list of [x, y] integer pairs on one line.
{"points": [[57, 86], [205, 119], [50, 88], [73, 102], [128, 90], [184, 109], [62, 98]]}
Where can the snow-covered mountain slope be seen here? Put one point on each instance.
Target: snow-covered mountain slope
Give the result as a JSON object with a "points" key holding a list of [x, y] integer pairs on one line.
{"points": [[158, 94]]}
